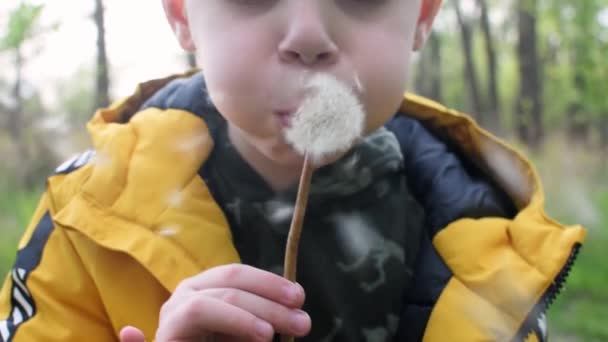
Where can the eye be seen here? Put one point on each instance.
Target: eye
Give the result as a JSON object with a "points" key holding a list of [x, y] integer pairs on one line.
{"points": [[365, 2], [358, 6], [251, 7], [253, 2]]}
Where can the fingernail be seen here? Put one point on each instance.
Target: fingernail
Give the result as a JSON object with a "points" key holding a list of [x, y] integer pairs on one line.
{"points": [[291, 293], [264, 330], [299, 321]]}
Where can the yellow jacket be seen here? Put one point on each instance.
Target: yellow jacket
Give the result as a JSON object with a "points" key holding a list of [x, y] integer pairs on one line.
{"points": [[105, 248]]}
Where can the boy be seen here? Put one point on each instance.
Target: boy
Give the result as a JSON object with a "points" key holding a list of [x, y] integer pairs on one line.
{"points": [[173, 229]]}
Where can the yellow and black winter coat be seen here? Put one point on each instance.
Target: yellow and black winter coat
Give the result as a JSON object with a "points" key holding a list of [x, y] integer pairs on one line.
{"points": [[101, 252]]}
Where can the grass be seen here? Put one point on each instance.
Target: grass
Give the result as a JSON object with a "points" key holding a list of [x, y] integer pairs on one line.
{"points": [[581, 312], [16, 207], [576, 189]]}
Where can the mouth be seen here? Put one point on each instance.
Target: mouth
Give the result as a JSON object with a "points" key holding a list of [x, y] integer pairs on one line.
{"points": [[284, 117]]}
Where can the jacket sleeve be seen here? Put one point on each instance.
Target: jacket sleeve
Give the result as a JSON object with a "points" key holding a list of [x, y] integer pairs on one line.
{"points": [[48, 295]]}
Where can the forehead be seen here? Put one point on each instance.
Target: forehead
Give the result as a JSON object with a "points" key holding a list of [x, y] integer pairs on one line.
{"points": [[348, 18], [357, 9]]}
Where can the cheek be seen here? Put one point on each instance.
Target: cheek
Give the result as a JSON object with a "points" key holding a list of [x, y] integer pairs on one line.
{"points": [[233, 63], [386, 68], [232, 52], [229, 67]]}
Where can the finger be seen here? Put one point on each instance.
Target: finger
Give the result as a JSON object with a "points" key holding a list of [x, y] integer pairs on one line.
{"points": [[131, 334], [284, 320], [228, 338], [250, 279], [201, 315]]}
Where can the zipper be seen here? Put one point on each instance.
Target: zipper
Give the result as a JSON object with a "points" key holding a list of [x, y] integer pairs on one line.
{"points": [[540, 309]]}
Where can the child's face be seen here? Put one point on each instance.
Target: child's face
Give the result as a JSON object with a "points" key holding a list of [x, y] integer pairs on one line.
{"points": [[253, 51]]}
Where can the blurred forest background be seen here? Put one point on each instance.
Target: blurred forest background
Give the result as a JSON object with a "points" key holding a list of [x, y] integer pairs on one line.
{"points": [[534, 72]]}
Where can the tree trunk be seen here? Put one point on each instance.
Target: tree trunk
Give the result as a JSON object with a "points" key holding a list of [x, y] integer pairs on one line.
{"points": [[16, 123], [15, 126], [529, 102], [422, 74], [493, 106], [435, 66], [578, 121], [604, 137], [428, 70], [191, 59], [102, 82], [580, 125], [470, 71]]}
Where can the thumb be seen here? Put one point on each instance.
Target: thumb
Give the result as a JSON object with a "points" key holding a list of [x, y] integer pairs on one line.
{"points": [[131, 334]]}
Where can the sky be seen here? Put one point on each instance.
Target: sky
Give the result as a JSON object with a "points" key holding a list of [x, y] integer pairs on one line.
{"points": [[140, 44]]}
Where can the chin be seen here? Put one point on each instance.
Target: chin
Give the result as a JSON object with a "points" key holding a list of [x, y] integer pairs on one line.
{"points": [[288, 160]]}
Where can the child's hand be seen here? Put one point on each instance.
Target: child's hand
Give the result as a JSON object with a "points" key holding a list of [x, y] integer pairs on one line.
{"points": [[231, 303]]}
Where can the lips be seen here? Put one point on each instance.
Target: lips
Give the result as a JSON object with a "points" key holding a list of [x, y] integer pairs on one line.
{"points": [[284, 117]]}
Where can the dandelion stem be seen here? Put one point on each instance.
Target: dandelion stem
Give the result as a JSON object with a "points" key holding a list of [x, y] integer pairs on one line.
{"points": [[293, 239]]}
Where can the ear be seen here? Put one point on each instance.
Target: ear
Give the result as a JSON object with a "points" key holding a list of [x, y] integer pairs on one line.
{"points": [[428, 12], [176, 15]]}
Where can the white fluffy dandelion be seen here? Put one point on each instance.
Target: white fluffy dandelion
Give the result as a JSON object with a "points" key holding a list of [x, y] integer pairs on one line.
{"points": [[329, 121], [175, 199]]}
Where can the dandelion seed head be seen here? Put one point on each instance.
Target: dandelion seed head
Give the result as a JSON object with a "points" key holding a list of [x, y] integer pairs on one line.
{"points": [[101, 159], [329, 121], [279, 212], [169, 230], [354, 233], [192, 143], [175, 199]]}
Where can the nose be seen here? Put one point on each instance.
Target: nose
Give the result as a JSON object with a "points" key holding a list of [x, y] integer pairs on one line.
{"points": [[307, 39]]}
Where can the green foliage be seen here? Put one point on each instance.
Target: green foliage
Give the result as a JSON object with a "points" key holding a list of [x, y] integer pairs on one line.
{"points": [[576, 69], [581, 309], [16, 207], [21, 25], [76, 97], [572, 42]]}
